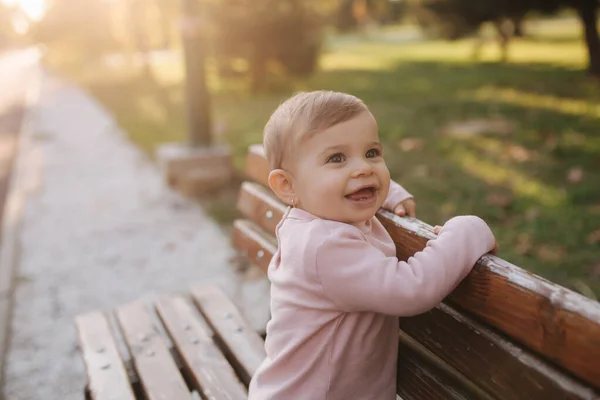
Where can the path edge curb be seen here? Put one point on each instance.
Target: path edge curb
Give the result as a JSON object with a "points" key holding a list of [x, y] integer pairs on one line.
{"points": [[12, 213]]}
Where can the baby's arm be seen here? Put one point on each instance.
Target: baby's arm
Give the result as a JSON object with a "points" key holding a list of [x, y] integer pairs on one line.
{"points": [[358, 277]]}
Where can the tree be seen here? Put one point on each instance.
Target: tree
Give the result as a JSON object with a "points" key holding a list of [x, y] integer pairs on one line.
{"points": [[458, 18], [588, 13], [270, 35]]}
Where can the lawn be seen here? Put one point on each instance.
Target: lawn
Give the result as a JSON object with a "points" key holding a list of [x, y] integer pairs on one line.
{"points": [[535, 179]]}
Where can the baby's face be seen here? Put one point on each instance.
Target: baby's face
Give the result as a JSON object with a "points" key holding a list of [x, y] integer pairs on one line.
{"points": [[339, 173]]}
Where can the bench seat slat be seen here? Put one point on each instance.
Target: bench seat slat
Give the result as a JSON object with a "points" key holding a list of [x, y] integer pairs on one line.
{"points": [[159, 375], [212, 375], [242, 345], [547, 318], [498, 366], [107, 378]]}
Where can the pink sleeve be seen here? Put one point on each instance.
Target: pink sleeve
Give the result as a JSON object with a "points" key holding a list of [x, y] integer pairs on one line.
{"points": [[358, 277], [396, 195]]}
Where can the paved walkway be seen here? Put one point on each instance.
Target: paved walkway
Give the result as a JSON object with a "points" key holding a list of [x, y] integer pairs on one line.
{"points": [[99, 229]]}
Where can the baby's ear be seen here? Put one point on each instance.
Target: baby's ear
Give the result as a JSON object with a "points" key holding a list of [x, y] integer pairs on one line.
{"points": [[280, 182]]}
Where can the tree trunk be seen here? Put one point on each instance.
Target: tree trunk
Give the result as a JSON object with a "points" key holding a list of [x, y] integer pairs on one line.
{"points": [[137, 18], [345, 20], [258, 70], [518, 22], [505, 31], [197, 93], [588, 12]]}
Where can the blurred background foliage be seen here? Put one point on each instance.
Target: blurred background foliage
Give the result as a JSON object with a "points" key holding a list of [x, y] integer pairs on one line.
{"points": [[488, 107]]}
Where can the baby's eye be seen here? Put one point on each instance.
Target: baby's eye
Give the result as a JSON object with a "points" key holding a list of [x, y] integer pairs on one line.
{"points": [[373, 153], [336, 158]]}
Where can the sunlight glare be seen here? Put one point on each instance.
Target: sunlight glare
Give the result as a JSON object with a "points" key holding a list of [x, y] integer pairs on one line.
{"points": [[35, 9]]}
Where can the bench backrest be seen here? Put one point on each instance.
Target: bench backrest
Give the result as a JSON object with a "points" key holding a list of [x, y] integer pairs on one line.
{"points": [[503, 333]]}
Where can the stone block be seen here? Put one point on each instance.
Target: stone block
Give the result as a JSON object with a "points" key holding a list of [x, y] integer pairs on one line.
{"points": [[195, 171]]}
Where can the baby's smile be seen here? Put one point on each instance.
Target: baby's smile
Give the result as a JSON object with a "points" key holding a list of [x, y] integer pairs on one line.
{"points": [[365, 195]]}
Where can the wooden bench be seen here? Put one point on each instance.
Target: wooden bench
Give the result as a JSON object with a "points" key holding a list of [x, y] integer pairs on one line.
{"points": [[502, 334], [174, 347]]}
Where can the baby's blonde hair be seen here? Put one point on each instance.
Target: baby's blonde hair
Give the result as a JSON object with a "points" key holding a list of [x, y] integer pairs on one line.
{"points": [[301, 116]]}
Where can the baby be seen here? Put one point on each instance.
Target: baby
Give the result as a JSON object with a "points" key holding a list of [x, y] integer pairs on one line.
{"points": [[337, 288]]}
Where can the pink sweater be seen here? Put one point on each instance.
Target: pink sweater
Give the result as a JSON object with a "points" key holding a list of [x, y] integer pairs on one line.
{"points": [[336, 293]]}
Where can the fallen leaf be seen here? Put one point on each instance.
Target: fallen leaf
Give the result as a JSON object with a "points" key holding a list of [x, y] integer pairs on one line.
{"points": [[575, 175], [595, 209], [550, 253], [551, 142], [421, 171], [498, 200], [410, 144], [594, 237], [524, 244], [532, 213], [519, 153]]}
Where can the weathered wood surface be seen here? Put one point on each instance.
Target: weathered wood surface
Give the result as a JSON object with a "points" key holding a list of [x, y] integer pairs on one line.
{"points": [[242, 345], [159, 375], [107, 378], [260, 205], [204, 363], [501, 368], [254, 248], [553, 321], [422, 375]]}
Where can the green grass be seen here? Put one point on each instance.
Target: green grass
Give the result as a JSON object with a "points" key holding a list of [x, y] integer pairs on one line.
{"points": [[517, 181]]}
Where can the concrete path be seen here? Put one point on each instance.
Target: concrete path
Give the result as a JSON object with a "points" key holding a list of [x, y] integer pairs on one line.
{"points": [[99, 228]]}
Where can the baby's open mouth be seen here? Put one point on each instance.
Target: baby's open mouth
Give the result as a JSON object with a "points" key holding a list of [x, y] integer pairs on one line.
{"points": [[362, 194]]}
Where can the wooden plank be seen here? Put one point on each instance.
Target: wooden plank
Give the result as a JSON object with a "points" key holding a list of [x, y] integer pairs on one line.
{"points": [[419, 378], [476, 352], [242, 345], [260, 205], [159, 376], [254, 242], [551, 320], [208, 368], [257, 167], [107, 378]]}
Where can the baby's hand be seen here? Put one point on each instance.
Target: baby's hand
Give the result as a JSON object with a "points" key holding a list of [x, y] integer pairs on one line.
{"points": [[437, 229], [407, 207]]}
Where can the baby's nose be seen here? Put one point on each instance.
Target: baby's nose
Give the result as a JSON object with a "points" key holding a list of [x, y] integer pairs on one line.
{"points": [[362, 167]]}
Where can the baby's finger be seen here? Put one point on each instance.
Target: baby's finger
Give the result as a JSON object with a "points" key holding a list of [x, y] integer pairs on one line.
{"points": [[411, 208], [495, 249], [437, 229], [400, 210]]}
